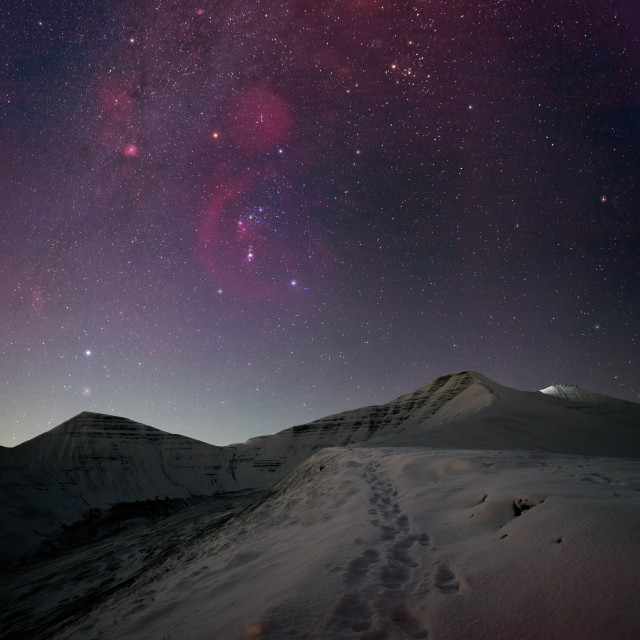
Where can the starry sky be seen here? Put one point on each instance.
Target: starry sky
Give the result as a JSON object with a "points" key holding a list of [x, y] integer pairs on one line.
{"points": [[226, 218]]}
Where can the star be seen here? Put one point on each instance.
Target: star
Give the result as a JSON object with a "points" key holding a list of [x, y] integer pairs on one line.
{"points": [[177, 178]]}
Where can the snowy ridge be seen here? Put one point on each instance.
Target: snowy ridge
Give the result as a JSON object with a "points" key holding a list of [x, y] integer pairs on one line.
{"points": [[447, 398]]}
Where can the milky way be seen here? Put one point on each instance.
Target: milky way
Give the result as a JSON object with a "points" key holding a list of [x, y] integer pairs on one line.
{"points": [[223, 219]]}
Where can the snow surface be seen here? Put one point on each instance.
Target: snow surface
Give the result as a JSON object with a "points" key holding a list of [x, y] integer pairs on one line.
{"points": [[372, 543], [462, 510]]}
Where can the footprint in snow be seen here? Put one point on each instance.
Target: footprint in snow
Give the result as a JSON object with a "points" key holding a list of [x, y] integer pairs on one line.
{"points": [[446, 580], [393, 574], [423, 539], [351, 613], [403, 619], [359, 567], [400, 551], [389, 531]]}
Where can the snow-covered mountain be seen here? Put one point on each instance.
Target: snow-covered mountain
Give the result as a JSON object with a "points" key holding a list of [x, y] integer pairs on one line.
{"points": [[577, 394], [465, 410], [464, 509], [93, 462]]}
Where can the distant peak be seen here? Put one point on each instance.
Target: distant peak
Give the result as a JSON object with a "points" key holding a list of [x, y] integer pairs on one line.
{"points": [[561, 389], [577, 394]]}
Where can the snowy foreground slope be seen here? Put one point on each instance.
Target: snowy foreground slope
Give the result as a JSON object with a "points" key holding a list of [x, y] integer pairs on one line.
{"points": [[370, 542], [463, 510]]}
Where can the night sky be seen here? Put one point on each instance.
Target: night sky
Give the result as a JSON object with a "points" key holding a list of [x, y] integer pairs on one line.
{"points": [[226, 218]]}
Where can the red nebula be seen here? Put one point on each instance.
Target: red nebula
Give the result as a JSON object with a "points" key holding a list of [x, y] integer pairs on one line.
{"points": [[259, 119], [249, 264], [131, 151]]}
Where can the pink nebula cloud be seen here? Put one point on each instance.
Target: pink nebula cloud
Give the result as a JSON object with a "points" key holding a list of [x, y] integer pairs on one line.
{"points": [[247, 261], [131, 151]]}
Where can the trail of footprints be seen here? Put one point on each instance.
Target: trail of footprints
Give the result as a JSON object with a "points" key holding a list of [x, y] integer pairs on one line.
{"points": [[380, 610]]}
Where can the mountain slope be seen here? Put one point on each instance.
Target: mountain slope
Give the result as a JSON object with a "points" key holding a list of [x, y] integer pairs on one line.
{"points": [[447, 398], [113, 459], [530, 421], [92, 462]]}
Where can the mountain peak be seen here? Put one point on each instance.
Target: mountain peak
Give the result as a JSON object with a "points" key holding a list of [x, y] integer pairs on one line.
{"points": [[459, 380], [577, 394], [96, 423]]}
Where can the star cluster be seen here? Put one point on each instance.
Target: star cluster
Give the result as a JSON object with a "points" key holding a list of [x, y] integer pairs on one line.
{"points": [[226, 218]]}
